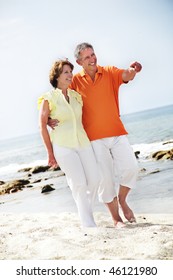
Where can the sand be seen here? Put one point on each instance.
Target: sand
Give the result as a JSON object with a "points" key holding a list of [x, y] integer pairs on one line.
{"points": [[35, 226], [52, 236]]}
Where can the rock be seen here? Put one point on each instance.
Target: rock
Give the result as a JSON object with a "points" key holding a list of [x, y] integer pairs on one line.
{"points": [[19, 182], [137, 153], [143, 169], [154, 171], [15, 189], [168, 142], [13, 186], [168, 154], [39, 168], [26, 169], [47, 188], [2, 182], [36, 181]]}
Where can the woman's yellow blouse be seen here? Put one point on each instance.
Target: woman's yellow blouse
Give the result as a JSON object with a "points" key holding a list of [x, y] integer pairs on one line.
{"points": [[69, 132]]}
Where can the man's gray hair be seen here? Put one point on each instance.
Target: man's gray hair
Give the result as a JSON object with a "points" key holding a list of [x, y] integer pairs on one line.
{"points": [[80, 48]]}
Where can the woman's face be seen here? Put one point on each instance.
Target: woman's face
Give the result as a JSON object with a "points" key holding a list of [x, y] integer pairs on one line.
{"points": [[65, 78]]}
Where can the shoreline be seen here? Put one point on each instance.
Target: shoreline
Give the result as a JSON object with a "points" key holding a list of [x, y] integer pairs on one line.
{"points": [[45, 226], [36, 226], [152, 195]]}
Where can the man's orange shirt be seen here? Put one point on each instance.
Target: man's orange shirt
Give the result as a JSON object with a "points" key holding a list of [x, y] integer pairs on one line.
{"points": [[100, 102]]}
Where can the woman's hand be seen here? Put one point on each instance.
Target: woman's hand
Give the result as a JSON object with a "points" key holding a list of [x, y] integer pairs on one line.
{"points": [[52, 161]]}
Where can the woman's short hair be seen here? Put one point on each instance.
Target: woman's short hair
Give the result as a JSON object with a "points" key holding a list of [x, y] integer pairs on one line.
{"points": [[56, 71]]}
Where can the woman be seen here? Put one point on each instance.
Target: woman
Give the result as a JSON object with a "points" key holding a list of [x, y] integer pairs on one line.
{"points": [[67, 144]]}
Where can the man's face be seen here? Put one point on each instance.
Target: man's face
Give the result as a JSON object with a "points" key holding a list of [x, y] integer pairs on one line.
{"points": [[88, 60]]}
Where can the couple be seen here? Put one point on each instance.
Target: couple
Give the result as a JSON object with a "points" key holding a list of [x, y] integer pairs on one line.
{"points": [[84, 112]]}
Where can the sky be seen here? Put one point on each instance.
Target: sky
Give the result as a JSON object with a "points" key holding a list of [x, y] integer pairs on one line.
{"points": [[35, 33]]}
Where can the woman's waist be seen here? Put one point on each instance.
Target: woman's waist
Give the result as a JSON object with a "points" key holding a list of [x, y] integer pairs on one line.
{"points": [[65, 129]]}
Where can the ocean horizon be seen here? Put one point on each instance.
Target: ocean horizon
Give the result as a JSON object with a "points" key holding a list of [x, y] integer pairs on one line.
{"points": [[128, 117]]}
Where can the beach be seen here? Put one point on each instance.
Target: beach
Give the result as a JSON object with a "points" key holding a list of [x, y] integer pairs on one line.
{"points": [[45, 226], [59, 237]]}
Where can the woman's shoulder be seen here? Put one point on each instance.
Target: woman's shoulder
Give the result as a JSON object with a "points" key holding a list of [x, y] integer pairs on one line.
{"points": [[76, 95], [48, 96]]}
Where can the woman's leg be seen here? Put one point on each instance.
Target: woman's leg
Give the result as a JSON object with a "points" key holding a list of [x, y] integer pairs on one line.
{"points": [[91, 171], [70, 163]]}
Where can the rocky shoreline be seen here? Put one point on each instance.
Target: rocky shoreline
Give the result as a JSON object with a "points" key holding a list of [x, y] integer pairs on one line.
{"points": [[28, 181]]}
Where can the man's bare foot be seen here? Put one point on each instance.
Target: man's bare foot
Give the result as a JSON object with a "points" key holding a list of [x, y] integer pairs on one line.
{"points": [[114, 210], [128, 213], [119, 224]]}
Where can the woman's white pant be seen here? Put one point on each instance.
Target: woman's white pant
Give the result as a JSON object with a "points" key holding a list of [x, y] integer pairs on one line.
{"points": [[117, 164], [81, 170]]}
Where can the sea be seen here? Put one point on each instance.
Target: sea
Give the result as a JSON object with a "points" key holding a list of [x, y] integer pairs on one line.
{"points": [[148, 131]]}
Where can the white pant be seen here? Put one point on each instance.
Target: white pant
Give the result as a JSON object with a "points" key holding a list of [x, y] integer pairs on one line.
{"points": [[117, 165], [81, 170]]}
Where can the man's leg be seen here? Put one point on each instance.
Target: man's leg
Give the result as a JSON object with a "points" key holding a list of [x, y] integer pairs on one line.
{"points": [[128, 213], [114, 211], [125, 170], [107, 192]]}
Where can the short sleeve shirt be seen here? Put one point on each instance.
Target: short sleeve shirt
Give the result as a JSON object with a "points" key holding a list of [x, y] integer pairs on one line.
{"points": [[69, 132], [100, 102]]}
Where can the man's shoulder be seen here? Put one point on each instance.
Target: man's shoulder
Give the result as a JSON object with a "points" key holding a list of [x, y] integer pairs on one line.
{"points": [[78, 75], [112, 71], [109, 68]]}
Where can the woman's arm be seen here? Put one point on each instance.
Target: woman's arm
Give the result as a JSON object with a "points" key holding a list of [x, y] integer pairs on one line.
{"points": [[43, 119]]}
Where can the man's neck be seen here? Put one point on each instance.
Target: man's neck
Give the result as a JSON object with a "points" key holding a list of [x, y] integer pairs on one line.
{"points": [[91, 73]]}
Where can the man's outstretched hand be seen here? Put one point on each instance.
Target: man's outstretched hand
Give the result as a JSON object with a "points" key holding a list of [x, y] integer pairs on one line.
{"points": [[136, 66]]}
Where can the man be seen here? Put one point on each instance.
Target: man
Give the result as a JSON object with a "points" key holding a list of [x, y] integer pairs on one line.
{"points": [[99, 88]]}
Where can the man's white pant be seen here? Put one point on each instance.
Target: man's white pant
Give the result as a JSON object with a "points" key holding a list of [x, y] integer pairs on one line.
{"points": [[81, 170], [117, 165]]}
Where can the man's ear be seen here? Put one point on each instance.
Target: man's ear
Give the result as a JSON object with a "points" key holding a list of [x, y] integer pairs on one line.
{"points": [[78, 62]]}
